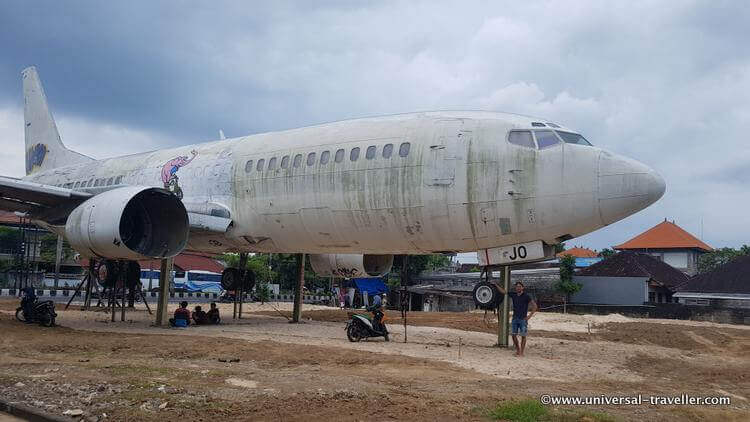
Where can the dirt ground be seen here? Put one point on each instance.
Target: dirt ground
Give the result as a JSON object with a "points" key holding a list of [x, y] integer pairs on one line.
{"points": [[263, 368]]}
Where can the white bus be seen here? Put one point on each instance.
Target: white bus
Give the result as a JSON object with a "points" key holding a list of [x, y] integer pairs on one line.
{"points": [[188, 281]]}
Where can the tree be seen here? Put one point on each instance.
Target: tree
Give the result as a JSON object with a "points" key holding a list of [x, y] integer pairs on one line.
{"points": [[718, 257], [606, 253], [566, 285], [560, 247]]}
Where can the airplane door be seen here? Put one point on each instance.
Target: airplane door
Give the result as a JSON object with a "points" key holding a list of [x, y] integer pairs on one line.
{"points": [[448, 137]]}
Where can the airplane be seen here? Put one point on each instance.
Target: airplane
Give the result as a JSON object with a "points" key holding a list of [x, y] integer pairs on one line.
{"points": [[351, 194]]}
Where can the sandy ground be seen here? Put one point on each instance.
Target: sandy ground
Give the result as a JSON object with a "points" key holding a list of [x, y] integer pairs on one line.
{"points": [[430, 377]]}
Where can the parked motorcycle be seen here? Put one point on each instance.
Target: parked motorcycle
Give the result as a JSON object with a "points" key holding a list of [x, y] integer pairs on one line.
{"points": [[43, 312], [362, 326]]}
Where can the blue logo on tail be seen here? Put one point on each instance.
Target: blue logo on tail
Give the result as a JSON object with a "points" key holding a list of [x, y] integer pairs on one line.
{"points": [[35, 157]]}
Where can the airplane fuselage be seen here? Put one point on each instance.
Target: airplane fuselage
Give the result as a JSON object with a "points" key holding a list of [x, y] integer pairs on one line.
{"points": [[413, 183]]}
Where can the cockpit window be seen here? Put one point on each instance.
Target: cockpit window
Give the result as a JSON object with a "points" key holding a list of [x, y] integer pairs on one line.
{"points": [[522, 138], [545, 138], [553, 125], [573, 138], [537, 124]]}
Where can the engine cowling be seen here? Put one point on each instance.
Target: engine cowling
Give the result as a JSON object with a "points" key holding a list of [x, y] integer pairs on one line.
{"points": [[351, 265], [134, 222]]}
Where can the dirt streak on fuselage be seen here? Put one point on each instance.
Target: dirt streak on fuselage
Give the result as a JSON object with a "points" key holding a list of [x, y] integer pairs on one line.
{"points": [[461, 186]]}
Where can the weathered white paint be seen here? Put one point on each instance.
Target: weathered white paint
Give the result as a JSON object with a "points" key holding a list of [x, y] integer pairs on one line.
{"points": [[462, 187]]}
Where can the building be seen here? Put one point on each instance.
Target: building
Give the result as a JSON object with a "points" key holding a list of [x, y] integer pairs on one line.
{"points": [[628, 278], [727, 286], [669, 243], [578, 252]]}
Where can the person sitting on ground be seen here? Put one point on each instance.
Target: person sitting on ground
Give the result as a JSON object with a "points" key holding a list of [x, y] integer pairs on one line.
{"points": [[213, 314], [199, 316], [181, 316]]}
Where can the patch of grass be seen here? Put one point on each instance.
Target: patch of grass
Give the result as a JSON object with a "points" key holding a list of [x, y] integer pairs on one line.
{"points": [[531, 410], [528, 410]]}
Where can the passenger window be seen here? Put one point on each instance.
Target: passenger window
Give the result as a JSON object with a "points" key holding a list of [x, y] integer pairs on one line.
{"points": [[96, 183], [285, 162], [259, 166], [118, 180], [110, 181], [272, 164], [522, 138], [297, 160], [545, 138], [339, 156], [573, 138], [76, 185], [387, 150], [403, 150], [83, 184], [370, 154], [249, 166], [324, 157], [354, 154], [310, 158]]}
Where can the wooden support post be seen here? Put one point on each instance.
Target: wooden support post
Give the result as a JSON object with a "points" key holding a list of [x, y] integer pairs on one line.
{"points": [[58, 258], [243, 270], [503, 326], [299, 289], [407, 295], [162, 314]]}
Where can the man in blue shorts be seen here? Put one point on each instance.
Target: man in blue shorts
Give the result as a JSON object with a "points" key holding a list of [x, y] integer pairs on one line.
{"points": [[519, 323]]}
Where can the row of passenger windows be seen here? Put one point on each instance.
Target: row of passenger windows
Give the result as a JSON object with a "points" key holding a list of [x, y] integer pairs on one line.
{"points": [[92, 183], [544, 138], [370, 153]]}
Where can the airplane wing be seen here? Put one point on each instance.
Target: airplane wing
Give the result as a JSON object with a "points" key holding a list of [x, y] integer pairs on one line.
{"points": [[40, 200], [36, 198]]}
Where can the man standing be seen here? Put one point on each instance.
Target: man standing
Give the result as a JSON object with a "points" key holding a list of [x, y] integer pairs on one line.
{"points": [[519, 323]]}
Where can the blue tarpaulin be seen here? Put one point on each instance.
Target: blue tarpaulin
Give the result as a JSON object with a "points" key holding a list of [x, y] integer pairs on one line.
{"points": [[373, 286]]}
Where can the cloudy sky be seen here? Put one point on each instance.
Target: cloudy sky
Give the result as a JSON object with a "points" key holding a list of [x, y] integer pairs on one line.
{"points": [[667, 83]]}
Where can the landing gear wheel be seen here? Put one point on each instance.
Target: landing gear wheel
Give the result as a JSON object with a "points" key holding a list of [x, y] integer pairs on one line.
{"points": [[486, 295], [230, 278], [352, 333], [132, 274]]}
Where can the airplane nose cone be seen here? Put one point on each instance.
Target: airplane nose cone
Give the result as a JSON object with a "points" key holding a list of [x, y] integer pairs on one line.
{"points": [[626, 186]]}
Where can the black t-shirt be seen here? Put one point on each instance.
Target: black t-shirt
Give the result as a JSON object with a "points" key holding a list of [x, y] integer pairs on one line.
{"points": [[520, 304]]}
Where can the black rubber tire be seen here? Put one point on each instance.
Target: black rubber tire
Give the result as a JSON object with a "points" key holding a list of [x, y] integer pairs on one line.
{"points": [[112, 270], [230, 278], [132, 274], [19, 315], [352, 333], [486, 295], [249, 280], [46, 321]]}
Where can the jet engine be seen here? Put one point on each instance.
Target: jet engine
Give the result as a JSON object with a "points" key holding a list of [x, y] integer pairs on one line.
{"points": [[351, 265], [132, 223]]}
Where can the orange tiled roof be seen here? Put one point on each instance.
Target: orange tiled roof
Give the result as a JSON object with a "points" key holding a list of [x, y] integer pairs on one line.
{"points": [[579, 252], [665, 235]]}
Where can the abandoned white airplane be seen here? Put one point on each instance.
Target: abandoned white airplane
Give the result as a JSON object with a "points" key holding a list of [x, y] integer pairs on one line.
{"points": [[351, 193]]}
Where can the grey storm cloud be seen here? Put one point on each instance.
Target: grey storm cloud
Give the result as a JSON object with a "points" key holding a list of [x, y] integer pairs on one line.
{"points": [[662, 82]]}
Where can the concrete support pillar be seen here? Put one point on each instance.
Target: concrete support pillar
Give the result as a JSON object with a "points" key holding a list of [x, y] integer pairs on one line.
{"points": [[298, 291], [162, 314]]}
